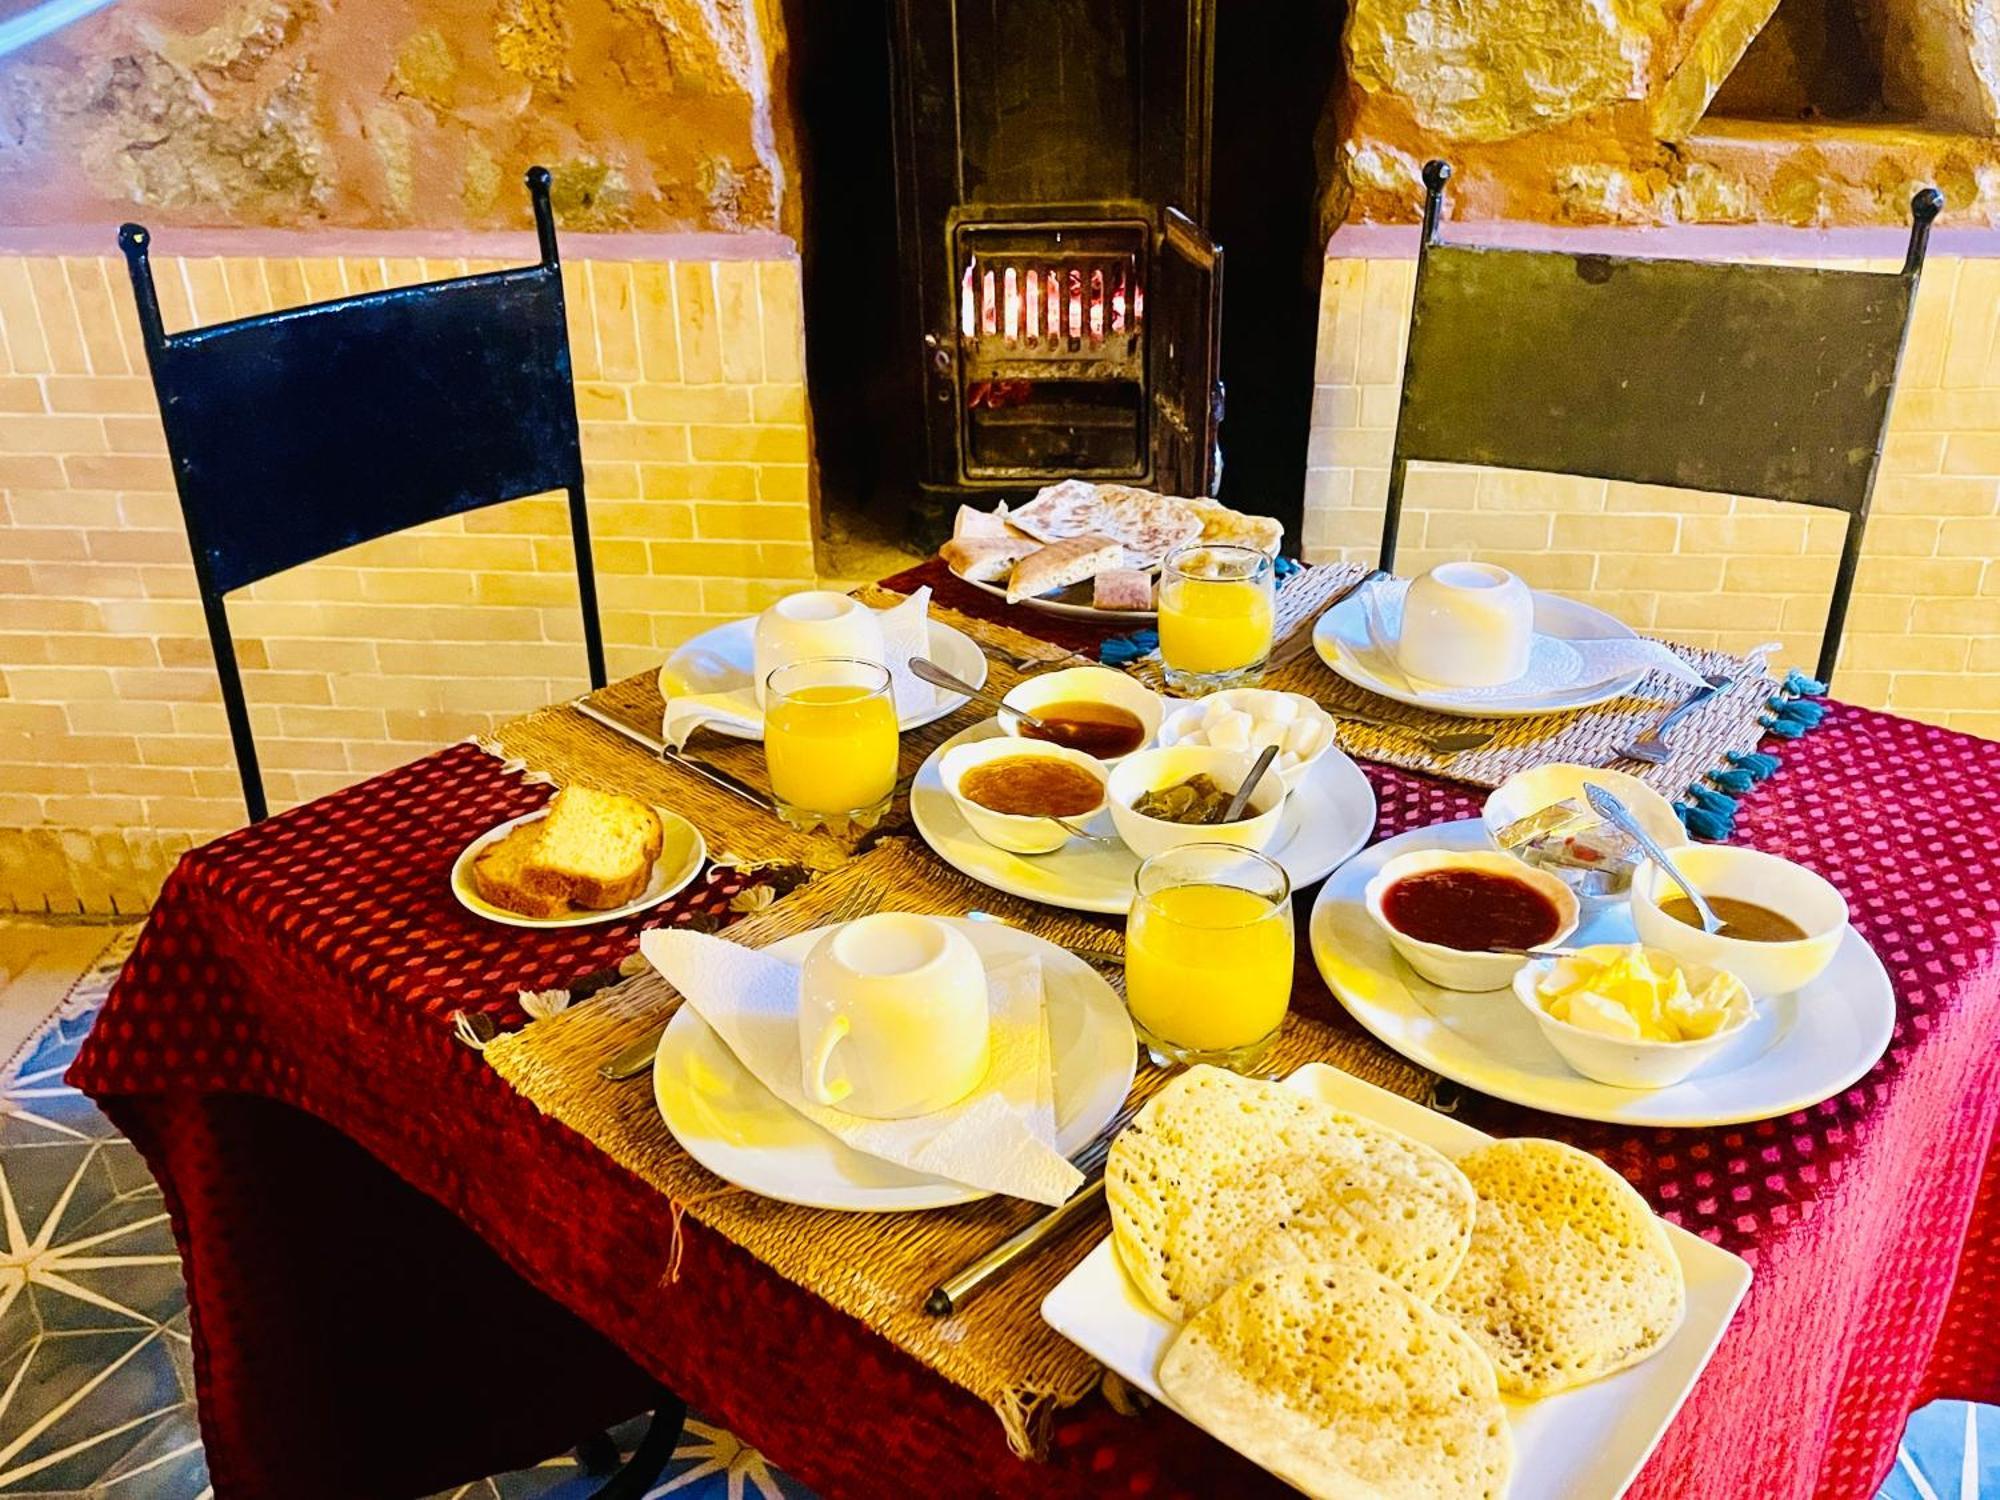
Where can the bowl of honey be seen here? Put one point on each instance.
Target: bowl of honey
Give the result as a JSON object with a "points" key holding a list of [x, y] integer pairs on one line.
{"points": [[1011, 792], [1103, 713], [1781, 923]]}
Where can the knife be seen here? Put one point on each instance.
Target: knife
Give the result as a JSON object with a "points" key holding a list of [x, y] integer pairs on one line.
{"points": [[631, 1061], [1302, 637], [668, 753]]}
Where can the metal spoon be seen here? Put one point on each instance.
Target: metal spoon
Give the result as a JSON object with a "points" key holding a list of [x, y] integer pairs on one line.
{"points": [[938, 677], [1607, 806], [1237, 803]]}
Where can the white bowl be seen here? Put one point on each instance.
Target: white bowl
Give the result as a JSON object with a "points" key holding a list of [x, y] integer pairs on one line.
{"points": [[1018, 833], [1186, 719], [1460, 968], [1745, 875], [1146, 771], [1528, 792], [1090, 684], [1623, 1063]]}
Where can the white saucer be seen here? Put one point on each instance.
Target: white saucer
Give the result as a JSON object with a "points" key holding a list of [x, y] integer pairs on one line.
{"points": [[1341, 637], [1798, 1049], [1587, 1442], [668, 878], [742, 1132], [722, 660], [1325, 820]]}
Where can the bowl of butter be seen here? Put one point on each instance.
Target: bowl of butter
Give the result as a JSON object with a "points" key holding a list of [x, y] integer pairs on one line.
{"points": [[1632, 1016]]}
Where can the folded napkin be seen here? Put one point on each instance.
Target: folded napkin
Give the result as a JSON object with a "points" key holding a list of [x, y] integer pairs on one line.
{"points": [[906, 632], [1555, 666], [1002, 1138]]}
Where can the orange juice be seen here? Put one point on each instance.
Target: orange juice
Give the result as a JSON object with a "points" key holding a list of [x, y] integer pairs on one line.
{"points": [[831, 748], [1208, 970], [1215, 625]]}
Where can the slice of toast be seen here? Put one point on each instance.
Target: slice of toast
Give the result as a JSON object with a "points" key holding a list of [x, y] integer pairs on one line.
{"points": [[597, 849], [497, 872], [1061, 564]]}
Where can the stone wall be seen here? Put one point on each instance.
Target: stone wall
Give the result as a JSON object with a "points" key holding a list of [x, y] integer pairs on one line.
{"points": [[1621, 112], [652, 114]]}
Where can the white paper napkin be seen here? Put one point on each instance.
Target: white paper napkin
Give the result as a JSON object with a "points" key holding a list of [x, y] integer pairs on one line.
{"points": [[1002, 1138], [906, 632], [1555, 667]]}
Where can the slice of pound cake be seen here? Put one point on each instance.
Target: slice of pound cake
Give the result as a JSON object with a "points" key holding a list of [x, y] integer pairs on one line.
{"points": [[498, 873], [596, 849]]}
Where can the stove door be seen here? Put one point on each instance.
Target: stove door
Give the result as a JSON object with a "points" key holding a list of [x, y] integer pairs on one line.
{"points": [[1185, 307]]}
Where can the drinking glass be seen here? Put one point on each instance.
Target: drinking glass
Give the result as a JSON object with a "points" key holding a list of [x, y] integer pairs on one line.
{"points": [[1208, 954], [1217, 604], [830, 742]]}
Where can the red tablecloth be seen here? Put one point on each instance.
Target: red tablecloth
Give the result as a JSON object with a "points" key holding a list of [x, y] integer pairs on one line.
{"points": [[366, 1211]]}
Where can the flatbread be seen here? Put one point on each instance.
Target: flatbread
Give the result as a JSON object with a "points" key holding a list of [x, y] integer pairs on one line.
{"points": [[1342, 1383], [1221, 1177], [1221, 525], [986, 559], [1061, 564], [1147, 525], [1570, 1276], [1061, 511]]}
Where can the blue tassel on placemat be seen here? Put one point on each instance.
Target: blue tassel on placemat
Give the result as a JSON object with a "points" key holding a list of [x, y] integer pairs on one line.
{"points": [[1284, 567], [1732, 779], [1754, 763], [1123, 650], [1801, 686], [1704, 824], [1784, 729]]}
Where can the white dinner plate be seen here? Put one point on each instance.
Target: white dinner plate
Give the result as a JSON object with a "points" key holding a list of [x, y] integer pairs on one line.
{"points": [[1325, 820], [1341, 634], [1072, 602], [1585, 1444], [669, 877], [1797, 1050], [742, 1132], [723, 659]]}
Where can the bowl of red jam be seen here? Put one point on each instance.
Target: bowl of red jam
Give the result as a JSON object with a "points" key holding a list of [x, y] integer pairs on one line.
{"points": [[1452, 914]]}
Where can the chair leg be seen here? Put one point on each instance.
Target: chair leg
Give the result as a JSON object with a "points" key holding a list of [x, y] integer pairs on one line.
{"points": [[642, 1471]]}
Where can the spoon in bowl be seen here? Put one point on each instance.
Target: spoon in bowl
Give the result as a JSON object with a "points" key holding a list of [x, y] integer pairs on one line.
{"points": [[938, 677], [1608, 807], [1242, 798]]}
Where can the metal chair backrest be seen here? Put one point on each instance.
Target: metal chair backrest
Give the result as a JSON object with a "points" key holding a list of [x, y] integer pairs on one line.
{"points": [[1760, 380], [297, 433]]}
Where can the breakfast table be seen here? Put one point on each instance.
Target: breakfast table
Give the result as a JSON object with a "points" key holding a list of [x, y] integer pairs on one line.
{"points": [[403, 1274]]}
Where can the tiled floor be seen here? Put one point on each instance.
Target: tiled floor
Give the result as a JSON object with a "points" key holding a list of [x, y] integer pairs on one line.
{"points": [[96, 1396]]}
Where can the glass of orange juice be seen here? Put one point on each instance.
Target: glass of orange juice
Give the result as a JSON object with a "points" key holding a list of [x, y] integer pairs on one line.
{"points": [[1208, 954], [1217, 605], [830, 742]]}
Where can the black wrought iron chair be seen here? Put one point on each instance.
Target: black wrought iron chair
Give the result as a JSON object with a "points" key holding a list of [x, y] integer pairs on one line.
{"points": [[1770, 381], [297, 433]]}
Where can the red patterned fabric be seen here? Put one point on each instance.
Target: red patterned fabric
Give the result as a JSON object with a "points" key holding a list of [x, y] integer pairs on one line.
{"points": [[285, 1022]]}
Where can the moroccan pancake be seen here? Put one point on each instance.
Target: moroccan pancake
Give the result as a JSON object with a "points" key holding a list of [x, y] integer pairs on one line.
{"points": [[1570, 1276], [1342, 1383], [1221, 1177]]}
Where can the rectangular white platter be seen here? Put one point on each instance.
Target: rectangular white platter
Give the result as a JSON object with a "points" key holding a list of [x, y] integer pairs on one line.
{"points": [[1585, 1444]]}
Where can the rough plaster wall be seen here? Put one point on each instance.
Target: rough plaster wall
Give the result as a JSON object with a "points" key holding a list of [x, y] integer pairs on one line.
{"points": [[652, 114]]}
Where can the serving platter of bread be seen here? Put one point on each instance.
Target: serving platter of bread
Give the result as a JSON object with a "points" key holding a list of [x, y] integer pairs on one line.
{"points": [[588, 856], [1090, 550], [1371, 1299]]}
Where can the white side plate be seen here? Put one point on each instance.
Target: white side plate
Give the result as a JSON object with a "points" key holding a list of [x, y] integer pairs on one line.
{"points": [[1585, 1444], [1797, 1050], [722, 660], [742, 1132], [669, 878], [1071, 603], [1341, 633], [1325, 820]]}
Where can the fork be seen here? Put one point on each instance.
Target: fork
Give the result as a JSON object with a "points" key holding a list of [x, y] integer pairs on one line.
{"points": [[1651, 745]]}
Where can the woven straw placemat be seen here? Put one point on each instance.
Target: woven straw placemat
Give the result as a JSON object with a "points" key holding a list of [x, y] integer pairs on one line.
{"points": [[564, 745], [876, 1267], [1589, 736]]}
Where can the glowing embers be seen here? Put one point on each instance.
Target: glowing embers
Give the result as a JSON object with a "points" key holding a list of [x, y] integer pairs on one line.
{"points": [[1077, 305]]}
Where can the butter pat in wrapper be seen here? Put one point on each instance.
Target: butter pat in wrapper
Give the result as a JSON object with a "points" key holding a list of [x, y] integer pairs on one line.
{"points": [[1579, 848]]}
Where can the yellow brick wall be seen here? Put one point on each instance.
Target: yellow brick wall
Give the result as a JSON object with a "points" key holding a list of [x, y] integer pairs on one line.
{"points": [[113, 752], [1923, 633]]}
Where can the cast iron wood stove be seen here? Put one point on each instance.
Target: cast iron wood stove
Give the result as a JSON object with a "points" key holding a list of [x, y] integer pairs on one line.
{"points": [[1060, 290]]}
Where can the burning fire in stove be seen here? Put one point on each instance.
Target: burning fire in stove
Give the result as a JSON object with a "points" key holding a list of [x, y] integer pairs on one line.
{"points": [[1063, 308]]}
